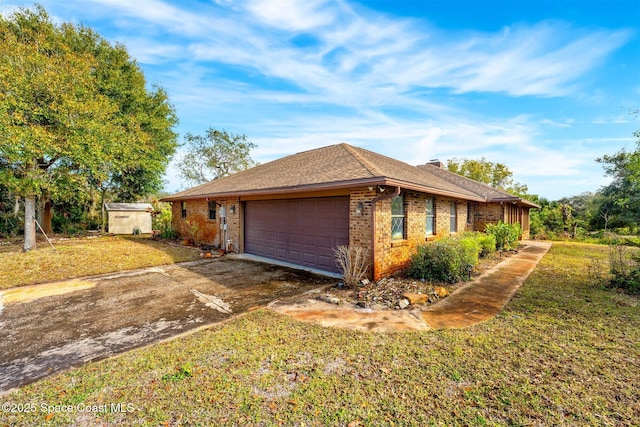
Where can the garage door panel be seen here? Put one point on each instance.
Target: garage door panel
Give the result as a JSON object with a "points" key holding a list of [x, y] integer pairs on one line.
{"points": [[302, 231], [325, 242], [309, 258], [325, 261]]}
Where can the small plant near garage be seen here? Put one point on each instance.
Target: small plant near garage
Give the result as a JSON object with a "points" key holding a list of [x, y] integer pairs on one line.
{"points": [[353, 263]]}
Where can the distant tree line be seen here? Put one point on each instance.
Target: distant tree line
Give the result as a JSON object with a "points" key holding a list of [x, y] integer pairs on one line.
{"points": [[613, 208]]}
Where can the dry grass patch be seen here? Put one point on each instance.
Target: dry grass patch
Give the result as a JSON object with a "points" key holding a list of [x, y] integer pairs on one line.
{"points": [[85, 257], [565, 352]]}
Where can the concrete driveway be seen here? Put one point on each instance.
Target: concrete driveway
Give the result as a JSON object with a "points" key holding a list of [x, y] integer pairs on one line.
{"points": [[50, 327]]}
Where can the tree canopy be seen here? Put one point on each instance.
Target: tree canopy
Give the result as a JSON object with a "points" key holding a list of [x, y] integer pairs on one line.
{"points": [[621, 198], [497, 175], [215, 155], [75, 114]]}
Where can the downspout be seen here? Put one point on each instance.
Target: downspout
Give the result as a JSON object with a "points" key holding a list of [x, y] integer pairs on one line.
{"points": [[396, 193]]}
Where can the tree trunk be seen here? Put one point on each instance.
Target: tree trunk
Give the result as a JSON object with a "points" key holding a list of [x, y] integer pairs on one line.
{"points": [[102, 216], [47, 214], [39, 209], [29, 223]]}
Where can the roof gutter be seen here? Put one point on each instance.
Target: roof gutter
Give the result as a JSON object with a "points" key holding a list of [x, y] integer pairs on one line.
{"points": [[435, 191], [280, 190], [396, 193], [515, 200], [326, 186]]}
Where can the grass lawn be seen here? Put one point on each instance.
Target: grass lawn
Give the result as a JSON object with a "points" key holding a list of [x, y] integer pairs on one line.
{"points": [[564, 352], [85, 257]]}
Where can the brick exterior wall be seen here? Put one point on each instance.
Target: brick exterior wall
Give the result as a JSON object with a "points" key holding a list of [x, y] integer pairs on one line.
{"points": [[360, 223], [209, 230], [391, 256], [491, 213]]}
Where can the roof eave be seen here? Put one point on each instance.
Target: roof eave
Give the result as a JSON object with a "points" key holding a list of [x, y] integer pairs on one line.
{"points": [[283, 190], [327, 186], [432, 190], [515, 200]]}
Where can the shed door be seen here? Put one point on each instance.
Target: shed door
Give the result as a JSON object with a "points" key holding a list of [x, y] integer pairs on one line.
{"points": [[300, 231]]}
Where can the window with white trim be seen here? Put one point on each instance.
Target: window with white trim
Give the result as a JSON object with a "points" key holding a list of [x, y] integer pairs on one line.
{"points": [[397, 218], [453, 218], [431, 217]]}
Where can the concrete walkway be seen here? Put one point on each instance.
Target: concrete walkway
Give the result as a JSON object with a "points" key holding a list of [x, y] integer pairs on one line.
{"points": [[488, 294], [474, 302]]}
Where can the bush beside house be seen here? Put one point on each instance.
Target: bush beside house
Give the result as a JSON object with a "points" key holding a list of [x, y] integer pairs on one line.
{"points": [[450, 259]]}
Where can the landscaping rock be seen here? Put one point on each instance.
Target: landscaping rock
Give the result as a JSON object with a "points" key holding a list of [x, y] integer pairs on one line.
{"points": [[441, 292], [387, 292], [331, 299], [403, 303], [416, 299]]}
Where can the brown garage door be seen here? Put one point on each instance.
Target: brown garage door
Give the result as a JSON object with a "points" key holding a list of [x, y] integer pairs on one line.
{"points": [[300, 231]]}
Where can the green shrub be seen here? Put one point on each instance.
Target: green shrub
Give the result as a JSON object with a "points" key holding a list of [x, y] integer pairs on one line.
{"points": [[162, 220], [506, 235], [471, 248], [486, 242], [624, 265], [447, 260], [632, 241], [10, 225]]}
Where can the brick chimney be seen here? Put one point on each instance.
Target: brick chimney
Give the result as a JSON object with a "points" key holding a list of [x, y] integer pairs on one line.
{"points": [[436, 162]]}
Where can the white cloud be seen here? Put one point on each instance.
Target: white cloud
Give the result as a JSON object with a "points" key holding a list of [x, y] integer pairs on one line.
{"points": [[622, 118], [291, 15], [363, 57], [162, 14]]}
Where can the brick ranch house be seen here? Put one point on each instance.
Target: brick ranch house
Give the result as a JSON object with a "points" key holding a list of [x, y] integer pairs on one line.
{"points": [[299, 208]]}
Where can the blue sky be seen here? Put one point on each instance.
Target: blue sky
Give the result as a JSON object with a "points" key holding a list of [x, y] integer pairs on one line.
{"points": [[545, 87]]}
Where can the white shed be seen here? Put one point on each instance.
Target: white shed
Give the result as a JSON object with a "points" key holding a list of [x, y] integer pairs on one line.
{"points": [[124, 218]]}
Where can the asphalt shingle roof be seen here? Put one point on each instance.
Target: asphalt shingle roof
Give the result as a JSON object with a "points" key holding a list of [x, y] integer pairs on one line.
{"points": [[334, 166], [479, 188]]}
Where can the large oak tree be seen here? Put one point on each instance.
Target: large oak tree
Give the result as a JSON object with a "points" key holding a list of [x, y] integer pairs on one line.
{"points": [[75, 114]]}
